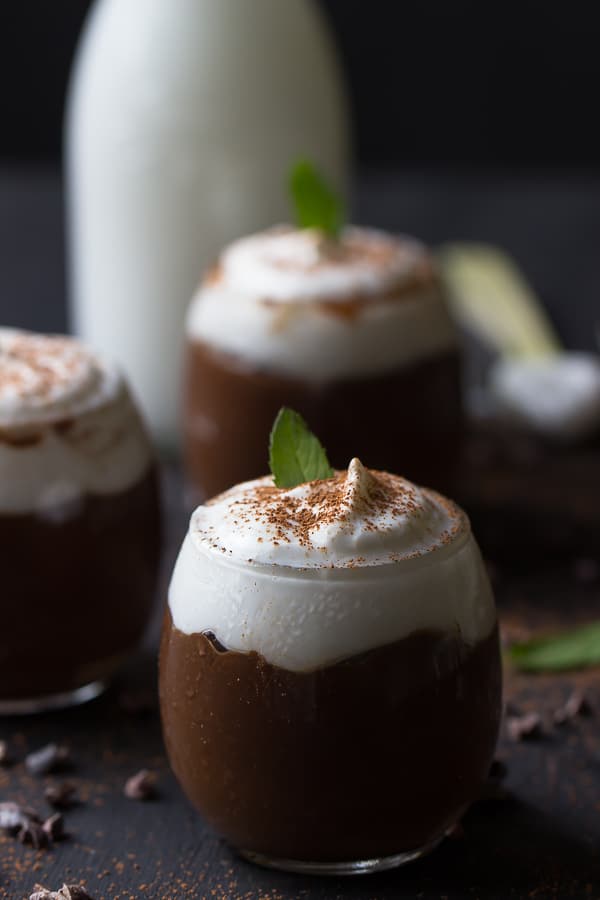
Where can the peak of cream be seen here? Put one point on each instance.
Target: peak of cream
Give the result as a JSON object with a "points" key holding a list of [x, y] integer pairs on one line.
{"points": [[45, 377], [313, 574], [290, 265], [357, 518]]}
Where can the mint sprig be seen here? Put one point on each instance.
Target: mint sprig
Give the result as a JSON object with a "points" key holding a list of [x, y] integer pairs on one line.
{"points": [[316, 205], [574, 649], [295, 454]]}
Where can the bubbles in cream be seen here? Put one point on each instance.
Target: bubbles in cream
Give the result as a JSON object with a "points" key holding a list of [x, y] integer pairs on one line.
{"points": [[303, 304], [313, 574], [68, 426]]}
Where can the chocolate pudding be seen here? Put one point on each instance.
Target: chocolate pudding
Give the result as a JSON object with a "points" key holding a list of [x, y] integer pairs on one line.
{"points": [[327, 327], [330, 674], [277, 760], [79, 522]]}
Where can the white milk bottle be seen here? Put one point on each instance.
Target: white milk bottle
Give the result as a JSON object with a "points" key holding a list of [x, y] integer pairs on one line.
{"points": [[183, 119]]}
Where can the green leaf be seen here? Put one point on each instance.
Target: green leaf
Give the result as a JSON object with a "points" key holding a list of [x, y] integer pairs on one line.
{"points": [[574, 649], [316, 205], [295, 454]]}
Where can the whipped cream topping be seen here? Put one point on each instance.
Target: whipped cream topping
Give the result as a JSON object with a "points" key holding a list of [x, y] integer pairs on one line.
{"points": [[68, 426], [356, 518], [313, 574], [45, 377], [304, 264], [558, 395], [297, 302]]}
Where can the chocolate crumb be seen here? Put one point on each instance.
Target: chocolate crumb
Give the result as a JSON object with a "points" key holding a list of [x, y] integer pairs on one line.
{"points": [[525, 727], [62, 795], [73, 892], [54, 827], [40, 893], [576, 705], [47, 759], [140, 786], [33, 833], [66, 892], [12, 816]]}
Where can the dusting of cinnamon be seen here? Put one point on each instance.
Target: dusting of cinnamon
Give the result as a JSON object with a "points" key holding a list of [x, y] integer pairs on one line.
{"points": [[372, 500], [355, 249], [35, 368]]}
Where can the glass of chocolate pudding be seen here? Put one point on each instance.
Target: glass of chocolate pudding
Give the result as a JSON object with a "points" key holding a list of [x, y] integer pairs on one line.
{"points": [[79, 522], [330, 327], [330, 675]]}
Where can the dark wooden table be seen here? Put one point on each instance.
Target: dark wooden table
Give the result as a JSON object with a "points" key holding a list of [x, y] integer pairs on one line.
{"points": [[540, 841]]}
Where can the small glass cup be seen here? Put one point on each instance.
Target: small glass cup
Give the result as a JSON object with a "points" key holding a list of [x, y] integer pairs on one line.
{"points": [[390, 353], [79, 523], [354, 765]]}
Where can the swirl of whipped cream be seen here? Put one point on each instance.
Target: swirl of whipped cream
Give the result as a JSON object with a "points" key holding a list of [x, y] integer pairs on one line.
{"points": [[317, 573], [67, 425], [295, 302], [45, 377]]}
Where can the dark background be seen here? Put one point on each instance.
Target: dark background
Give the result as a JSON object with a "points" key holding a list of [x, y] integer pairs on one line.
{"points": [[463, 83], [474, 121]]}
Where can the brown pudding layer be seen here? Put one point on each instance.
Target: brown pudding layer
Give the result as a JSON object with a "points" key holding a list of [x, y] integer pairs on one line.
{"points": [[78, 585], [411, 418], [531, 500], [372, 756]]}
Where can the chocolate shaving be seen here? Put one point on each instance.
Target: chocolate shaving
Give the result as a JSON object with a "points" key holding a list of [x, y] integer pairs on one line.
{"points": [[33, 833], [41, 893], [12, 816], [54, 828], [62, 795], [576, 705], [525, 727], [66, 892], [72, 892], [47, 759], [140, 786], [27, 826]]}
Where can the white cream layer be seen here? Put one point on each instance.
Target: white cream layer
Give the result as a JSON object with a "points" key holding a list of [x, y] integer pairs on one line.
{"points": [[100, 446], [558, 396], [365, 575], [272, 304]]}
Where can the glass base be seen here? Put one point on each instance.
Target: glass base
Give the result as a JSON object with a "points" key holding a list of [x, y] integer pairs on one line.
{"points": [[353, 867], [50, 702]]}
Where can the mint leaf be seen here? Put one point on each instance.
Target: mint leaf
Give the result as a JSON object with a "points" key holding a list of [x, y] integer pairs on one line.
{"points": [[575, 649], [295, 454], [316, 205]]}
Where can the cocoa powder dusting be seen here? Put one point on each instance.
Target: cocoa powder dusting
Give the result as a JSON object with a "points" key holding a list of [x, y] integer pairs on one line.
{"points": [[34, 353], [358, 494]]}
